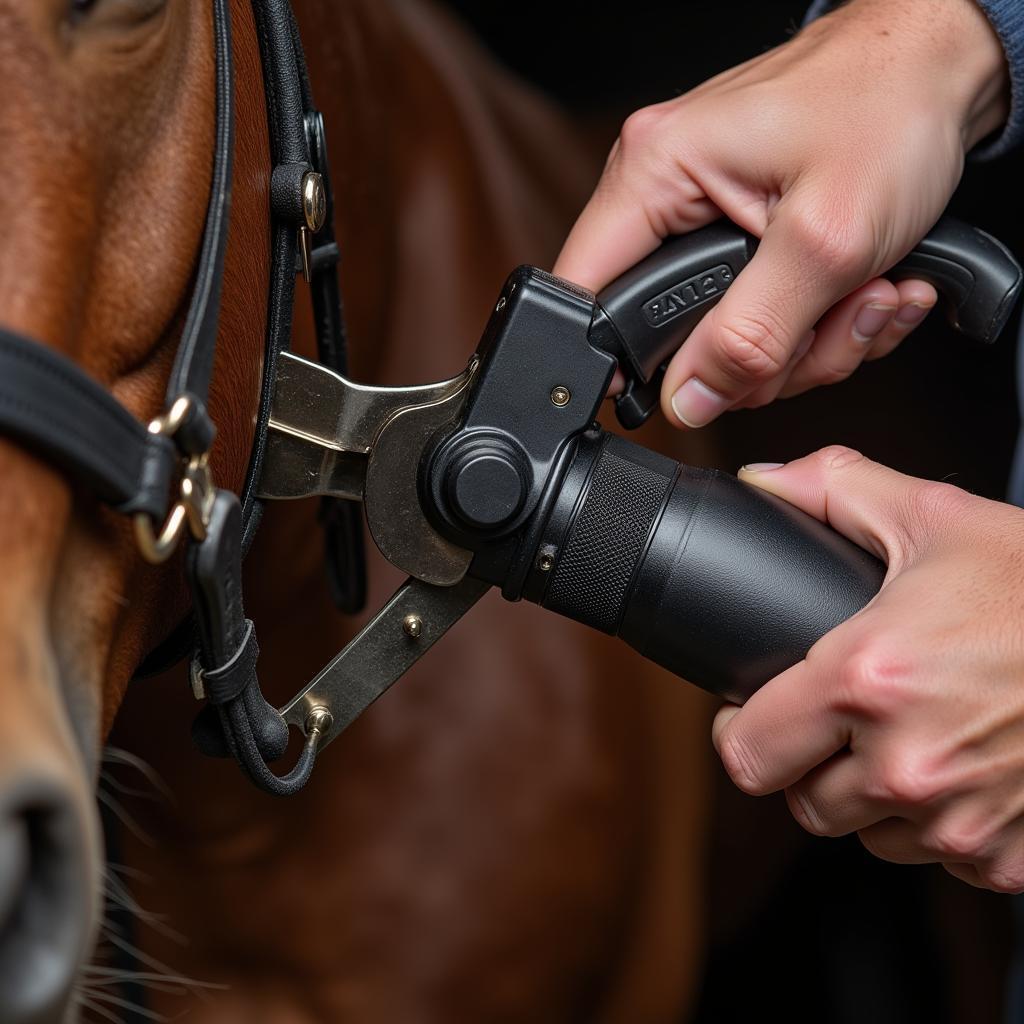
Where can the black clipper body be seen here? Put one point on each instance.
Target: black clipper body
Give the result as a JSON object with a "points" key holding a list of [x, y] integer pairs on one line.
{"points": [[501, 477], [717, 581]]}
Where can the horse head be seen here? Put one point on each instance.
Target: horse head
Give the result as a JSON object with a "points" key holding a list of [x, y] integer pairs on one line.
{"points": [[106, 136]]}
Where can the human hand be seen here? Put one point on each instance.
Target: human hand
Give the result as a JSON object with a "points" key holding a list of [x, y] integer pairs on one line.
{"points": [[839, 149], [906, 723]]}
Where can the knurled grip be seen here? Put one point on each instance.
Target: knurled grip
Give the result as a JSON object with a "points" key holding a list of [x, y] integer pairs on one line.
{"points": [[607, 538], [716, 580]]}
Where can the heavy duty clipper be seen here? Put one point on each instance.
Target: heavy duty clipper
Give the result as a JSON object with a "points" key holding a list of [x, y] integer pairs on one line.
{"points": [[501, 477]]}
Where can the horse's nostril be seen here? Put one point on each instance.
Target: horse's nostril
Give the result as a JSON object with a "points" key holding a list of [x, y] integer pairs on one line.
{"points": [[45, 903]]}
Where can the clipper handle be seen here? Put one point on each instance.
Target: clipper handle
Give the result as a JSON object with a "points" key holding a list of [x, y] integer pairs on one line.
{"points": [[645, 315]]}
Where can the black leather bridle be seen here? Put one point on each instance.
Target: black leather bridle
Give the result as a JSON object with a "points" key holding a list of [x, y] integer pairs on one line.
{"points": [[158, 473]]}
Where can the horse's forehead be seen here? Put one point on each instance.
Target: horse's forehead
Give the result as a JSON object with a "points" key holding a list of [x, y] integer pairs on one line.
{"points": [[104, 168]]}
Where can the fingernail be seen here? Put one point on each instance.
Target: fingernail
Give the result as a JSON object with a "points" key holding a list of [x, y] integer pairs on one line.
{"points": [[870, 321], [761, 467], [696, 404], [911, 314]]}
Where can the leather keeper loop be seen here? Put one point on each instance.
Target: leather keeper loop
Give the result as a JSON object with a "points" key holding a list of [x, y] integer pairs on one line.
{"points": [[197, 431], [286, 192], [157, 469], [225, 683]]}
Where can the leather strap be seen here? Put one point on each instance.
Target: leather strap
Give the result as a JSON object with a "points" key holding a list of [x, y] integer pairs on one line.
{"points": [[193, 363], [53, 407]]}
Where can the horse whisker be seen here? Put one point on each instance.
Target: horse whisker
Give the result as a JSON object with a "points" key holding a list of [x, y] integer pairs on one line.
{"points": [[126, 819], [138, 954], [139, 794], [113, 975], [83, 1000], [117, 755], [128, 872], [124, 1004], [120, 896]]}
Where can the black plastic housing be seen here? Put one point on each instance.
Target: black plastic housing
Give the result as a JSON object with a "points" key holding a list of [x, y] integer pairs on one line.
{"points": [[645, 315], [717, 581]]}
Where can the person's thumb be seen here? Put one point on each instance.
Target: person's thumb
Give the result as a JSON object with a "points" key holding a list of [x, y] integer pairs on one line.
{"points": [[880, 509], [801, 268]]}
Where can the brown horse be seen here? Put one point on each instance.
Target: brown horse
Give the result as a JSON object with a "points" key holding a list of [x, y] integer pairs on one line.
{"points": [[513, 832]]}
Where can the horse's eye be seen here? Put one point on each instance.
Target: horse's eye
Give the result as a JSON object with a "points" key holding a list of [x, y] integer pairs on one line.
{"points": [[124, 12]]}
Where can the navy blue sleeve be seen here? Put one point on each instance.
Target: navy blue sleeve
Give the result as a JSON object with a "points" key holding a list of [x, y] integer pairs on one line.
{"points": [[1007, 18]]}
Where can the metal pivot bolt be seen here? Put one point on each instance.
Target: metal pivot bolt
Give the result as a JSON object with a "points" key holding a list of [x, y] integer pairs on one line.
{"points": [[314, 201], [314, 212], [560, 396], [318, 723], [412, 626], [546, 562]]}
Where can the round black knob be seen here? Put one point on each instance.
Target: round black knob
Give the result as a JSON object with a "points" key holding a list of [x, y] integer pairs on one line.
{"points": [[486, 485]]}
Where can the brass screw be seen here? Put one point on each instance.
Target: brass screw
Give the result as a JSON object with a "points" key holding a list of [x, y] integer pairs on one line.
{"points": [[560, 396], [412, 626], [545, 563]]}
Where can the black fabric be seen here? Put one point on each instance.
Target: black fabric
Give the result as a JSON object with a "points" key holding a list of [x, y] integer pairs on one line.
{"points": [[53, 407]]}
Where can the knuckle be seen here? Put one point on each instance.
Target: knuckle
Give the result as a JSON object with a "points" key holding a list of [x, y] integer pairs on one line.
{"points": [[934, 502], [832, 368], [907, 780], [959, 840], [836, 242], [824, 375], [1007, 879], [807, 814], [871, 843], [837, 456], [740, 767], [641, 129], [753, 348], [874, 679], [922, 510]]}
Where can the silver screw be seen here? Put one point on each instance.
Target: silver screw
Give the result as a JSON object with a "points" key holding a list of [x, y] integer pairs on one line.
{"points": [[501, 305], [318, 722], [545, 563], [412, 626], [560, 396]]}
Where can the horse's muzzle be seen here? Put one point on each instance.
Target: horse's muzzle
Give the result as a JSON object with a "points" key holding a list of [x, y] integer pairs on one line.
{"points": [[46, 898]]}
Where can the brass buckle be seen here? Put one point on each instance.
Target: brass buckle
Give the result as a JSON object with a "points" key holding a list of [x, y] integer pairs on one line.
{"points": [[196, 494]]}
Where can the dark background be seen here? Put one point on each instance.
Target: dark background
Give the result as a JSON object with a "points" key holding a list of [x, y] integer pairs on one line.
{"points": [[811, 930]]}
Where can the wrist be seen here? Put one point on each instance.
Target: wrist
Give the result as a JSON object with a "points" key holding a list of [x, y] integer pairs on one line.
{"points": [[959, 55], [987, 75]]}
